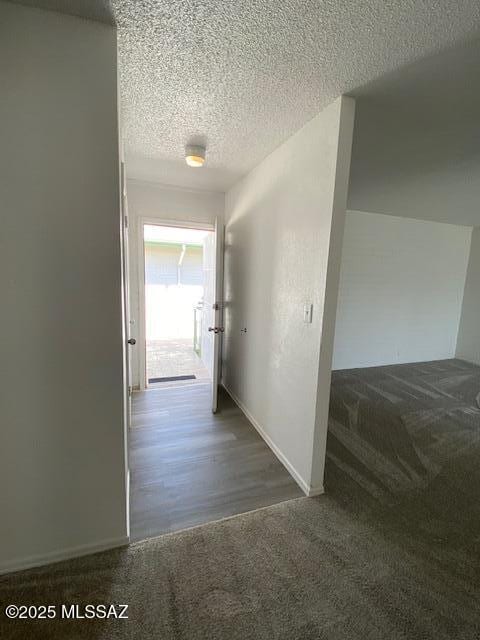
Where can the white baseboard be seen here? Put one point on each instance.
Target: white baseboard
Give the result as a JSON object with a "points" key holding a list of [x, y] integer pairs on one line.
{"points": [[309, 491], [38, 560], [315, 491]]}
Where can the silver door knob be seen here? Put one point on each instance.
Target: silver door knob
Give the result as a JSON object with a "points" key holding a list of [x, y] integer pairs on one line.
{"points": [[132, 341], [216, 329]]}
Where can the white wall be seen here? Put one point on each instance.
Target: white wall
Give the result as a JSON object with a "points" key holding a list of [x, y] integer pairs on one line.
{"points": [[415, 146], [434, 175], [62, 458], [468, 345], [284, 224], [401, 290], [152, 201]]}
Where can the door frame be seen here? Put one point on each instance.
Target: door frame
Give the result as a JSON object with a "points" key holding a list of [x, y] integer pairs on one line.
{"points": [[126, 330], [218, 306], [141, 331]]}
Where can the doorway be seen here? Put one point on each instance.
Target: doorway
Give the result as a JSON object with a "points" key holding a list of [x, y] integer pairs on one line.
{"points": [[180, 284], [175, 268]]}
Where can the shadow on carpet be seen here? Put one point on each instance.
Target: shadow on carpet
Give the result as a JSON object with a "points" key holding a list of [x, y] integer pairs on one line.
{"points": [[304, 569], [392, 552]]}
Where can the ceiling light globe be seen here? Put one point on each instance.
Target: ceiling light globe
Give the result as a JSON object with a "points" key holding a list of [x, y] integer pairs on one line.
{"points": [[195, 156]]}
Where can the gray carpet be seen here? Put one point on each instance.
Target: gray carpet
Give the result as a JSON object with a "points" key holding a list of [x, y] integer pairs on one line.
{"points": [[392, 552], [403, 454], [399, 429]]}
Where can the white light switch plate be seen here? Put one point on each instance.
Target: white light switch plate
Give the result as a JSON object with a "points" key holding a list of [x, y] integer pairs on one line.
{"points": [[307, 313]]}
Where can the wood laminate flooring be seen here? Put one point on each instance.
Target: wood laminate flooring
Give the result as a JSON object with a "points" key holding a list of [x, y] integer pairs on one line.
{"points": [[189, 466]]}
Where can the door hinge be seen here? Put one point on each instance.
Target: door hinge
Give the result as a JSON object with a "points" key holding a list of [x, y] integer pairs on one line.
{"points": [[126, 222]]}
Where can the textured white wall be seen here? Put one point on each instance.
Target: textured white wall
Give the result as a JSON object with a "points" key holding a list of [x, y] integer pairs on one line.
{"points": [[401, 290], [155, 201], [282, 221], [468, 344], [62, 458]]}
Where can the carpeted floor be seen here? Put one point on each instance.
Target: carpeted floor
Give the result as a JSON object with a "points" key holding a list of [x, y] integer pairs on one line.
{"points": [[392, 552], [403, 455], [404, 428]]}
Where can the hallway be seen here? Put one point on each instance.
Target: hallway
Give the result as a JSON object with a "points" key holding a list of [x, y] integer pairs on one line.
{"points": [[189, 466]]}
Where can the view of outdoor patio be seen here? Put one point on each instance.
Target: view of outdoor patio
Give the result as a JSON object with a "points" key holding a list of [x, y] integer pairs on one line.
{"points": [[173, 304], [171, 358]]}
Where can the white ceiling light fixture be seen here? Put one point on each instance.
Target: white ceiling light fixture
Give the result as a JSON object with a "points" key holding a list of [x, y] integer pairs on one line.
{"points": [[195, 155]]}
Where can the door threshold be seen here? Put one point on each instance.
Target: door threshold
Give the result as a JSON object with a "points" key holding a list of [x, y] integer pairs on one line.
{"points": [[171, 379]]}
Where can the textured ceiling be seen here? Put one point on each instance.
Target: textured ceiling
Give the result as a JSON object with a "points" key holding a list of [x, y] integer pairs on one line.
{"points": [[99, 10], [243, 75]]}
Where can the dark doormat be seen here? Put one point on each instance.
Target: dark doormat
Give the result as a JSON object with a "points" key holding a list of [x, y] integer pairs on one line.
{"points": [[171, 379]]}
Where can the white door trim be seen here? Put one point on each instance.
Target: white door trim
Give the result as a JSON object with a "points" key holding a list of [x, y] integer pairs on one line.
{"points": [[126, 355], [218, 315]]}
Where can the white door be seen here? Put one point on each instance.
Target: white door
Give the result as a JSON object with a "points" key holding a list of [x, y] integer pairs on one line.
{"points": [[212, 328], [127, 380]]}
